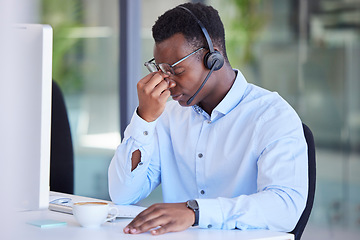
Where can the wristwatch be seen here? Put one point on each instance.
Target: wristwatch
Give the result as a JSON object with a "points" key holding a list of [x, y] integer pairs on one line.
{"points": [[193, 205]]}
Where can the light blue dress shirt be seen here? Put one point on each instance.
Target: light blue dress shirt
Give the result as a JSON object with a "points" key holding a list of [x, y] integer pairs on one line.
{"points": [[245, 164]]}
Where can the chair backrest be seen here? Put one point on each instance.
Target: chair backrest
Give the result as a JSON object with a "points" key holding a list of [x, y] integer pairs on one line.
{"points": [[300, 226], [61, 154]]}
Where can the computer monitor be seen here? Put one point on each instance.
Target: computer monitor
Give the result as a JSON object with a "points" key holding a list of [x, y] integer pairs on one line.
{"points": [[26, 81]]}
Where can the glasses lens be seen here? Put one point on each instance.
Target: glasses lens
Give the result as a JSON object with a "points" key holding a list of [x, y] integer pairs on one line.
{"points": [[151, 66], [166, 68]]}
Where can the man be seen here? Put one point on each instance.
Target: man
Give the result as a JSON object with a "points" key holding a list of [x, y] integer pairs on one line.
{"points": [[228, 154]]}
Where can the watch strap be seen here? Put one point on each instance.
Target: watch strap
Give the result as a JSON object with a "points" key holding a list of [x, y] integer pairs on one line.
{"points": [[193, 205]]}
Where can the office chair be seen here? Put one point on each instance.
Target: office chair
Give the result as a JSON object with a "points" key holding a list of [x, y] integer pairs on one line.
{"points": [[61, 153], [300, 226]]}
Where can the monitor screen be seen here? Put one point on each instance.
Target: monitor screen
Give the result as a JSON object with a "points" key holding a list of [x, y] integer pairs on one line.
{"points": [[26, 77]]}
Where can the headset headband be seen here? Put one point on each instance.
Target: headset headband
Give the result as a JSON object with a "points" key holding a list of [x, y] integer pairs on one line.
{"points": [[203, 29]]}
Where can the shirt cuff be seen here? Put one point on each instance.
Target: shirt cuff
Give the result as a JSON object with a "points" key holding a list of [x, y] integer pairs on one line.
{"points": [[140, 130], [210, 214]]}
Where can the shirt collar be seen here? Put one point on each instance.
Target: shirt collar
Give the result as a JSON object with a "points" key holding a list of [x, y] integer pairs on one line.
{"points": [[231, 100]]}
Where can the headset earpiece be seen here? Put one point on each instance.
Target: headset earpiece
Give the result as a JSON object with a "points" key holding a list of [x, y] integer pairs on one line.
{"points": [[212, 58]]}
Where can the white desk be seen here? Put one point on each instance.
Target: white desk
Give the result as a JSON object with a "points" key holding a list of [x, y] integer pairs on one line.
{"points": [[114, 230]]}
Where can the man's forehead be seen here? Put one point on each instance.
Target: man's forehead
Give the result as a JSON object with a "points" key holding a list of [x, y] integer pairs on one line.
{"points": [[171, 49]]}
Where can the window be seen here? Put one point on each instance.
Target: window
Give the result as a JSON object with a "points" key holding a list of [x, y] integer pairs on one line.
{"points": [[86, 50]]}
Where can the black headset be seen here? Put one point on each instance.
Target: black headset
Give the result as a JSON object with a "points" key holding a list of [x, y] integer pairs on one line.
{"points": [[213, 59]]}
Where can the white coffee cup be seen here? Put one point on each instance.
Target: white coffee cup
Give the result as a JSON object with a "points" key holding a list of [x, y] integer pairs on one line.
{"points": [[93, 214]]}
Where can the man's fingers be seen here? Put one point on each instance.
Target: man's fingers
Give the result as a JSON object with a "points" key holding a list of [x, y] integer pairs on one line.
{"points": [[155, 81], [151, 80], [145, 216], [161, 230], [147, 78], [165, 95], [160, 88], [155, 86], [152, 224]]}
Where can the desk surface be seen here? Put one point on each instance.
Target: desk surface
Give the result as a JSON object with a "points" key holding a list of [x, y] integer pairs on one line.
{"points": [[114, 230]]}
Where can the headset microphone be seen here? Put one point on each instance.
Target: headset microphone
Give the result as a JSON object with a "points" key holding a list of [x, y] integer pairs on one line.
{"points": [[202, 85]]}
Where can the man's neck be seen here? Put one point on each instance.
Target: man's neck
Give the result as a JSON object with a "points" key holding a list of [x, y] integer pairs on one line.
{"points": [[225, 81]]}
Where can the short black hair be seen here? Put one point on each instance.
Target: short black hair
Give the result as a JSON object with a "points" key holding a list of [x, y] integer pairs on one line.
{"points": [[178, 20]]}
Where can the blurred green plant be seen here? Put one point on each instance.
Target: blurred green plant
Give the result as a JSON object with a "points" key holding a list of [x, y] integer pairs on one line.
{"points": [[244, 24], [65, 17]]}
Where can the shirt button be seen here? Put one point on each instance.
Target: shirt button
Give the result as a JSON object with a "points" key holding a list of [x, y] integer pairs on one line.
{"points": [[209, 121], [141, 163], [145, 133], [202, 192], [209, 226], [200, 155]]}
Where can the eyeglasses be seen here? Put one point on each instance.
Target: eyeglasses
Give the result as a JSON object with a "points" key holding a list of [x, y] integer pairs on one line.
{"points": [[166, 68]]}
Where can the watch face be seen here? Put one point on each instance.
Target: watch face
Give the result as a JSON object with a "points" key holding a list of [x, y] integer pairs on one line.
{"points": [[193, 204]]}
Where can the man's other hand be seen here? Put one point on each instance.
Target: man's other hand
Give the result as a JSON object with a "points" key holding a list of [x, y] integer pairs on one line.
{"points": [[162, 218]]}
